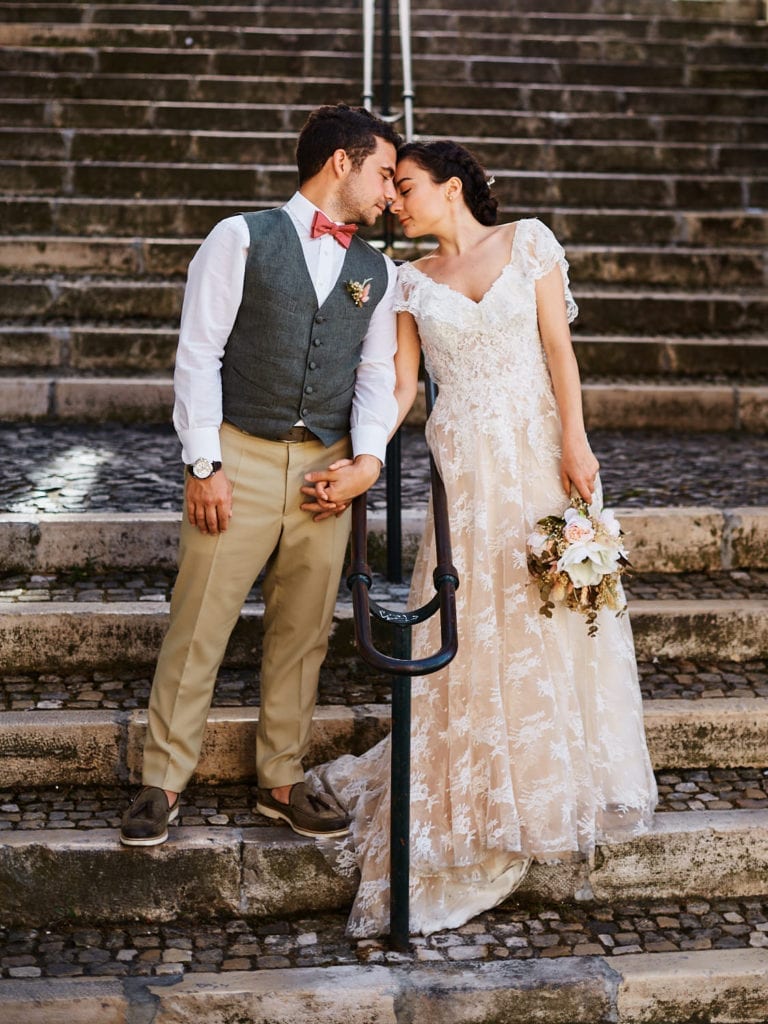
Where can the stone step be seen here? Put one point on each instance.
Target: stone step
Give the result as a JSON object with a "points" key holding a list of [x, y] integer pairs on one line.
{"points": [[653, 405], [266, 871], [681, 267], [160, 24], [142, 350], [685, 987], [477, 67], [491, 37], [657, 23], [161, 218], [241, 117], [604, 308], [728, 11], [71, 147], [271, 183], [98, 748], [277, 90], [660, 540], [99, 635]]}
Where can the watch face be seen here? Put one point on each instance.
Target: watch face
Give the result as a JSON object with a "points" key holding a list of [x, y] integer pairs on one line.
{"points": [[202, 468]]}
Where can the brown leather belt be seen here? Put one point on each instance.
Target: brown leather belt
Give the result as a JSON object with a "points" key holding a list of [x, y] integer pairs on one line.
{"points": [[297, 434]]}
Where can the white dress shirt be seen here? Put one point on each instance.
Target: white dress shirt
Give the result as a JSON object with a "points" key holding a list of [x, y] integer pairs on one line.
{"points": [[211, 300]]}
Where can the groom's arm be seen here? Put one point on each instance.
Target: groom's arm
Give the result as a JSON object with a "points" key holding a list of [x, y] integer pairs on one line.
{"points": [[373, 417]]}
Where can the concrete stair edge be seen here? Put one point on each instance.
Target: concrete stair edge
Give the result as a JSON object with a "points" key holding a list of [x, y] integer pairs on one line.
{"points": [[722, 985], [664, 539], [102, 635], [272, 871], [57, 748], [694, 407]]}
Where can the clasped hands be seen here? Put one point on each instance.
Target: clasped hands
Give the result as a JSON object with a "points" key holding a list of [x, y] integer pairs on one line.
{"points": [[209, 502], [332, 489]]}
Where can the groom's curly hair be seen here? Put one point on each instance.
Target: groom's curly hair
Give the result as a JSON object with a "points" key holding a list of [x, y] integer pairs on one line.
{"points": [[328, 128]]}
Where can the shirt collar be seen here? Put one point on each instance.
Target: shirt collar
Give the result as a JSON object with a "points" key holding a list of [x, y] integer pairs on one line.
{"points": [[302, 210]]}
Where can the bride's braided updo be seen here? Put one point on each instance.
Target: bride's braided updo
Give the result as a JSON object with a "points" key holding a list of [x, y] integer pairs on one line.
{"points": [[444, 159]]}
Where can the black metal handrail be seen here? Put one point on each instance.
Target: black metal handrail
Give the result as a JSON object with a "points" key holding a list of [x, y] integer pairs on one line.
{"points": [[403, 667]]}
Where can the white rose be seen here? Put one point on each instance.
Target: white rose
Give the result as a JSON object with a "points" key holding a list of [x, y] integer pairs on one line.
{"points": [[610, 523], [537, 542]]}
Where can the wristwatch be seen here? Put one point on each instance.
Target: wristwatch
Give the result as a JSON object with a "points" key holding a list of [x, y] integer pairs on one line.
{"points": [[203, 468]]}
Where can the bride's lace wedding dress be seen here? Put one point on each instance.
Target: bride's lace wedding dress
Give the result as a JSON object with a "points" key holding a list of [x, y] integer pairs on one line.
{"points": [[531, 743]]}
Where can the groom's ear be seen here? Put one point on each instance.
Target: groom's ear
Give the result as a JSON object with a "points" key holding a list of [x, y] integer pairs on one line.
{"points": [[339, 163]]}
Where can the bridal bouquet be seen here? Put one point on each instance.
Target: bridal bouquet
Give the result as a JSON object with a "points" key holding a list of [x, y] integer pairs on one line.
{"points": [[577, 559]]}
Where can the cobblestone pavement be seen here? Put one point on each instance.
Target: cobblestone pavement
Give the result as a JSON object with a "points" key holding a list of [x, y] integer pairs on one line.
{"points": [[233, 805], [127, 689], [116, 468], [510, 932], [157, 584]]}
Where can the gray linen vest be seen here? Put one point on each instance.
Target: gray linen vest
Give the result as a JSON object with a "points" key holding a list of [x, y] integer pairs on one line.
{"points": [[286, 358]]}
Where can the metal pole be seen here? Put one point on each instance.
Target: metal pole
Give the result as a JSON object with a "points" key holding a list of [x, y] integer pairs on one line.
{"points": [[400, 812], [405, 49], [394, 509], [368, 12]]}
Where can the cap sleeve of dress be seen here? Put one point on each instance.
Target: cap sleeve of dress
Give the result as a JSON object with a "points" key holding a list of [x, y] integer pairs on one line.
{"points": [[541, 253], [406, 291]]}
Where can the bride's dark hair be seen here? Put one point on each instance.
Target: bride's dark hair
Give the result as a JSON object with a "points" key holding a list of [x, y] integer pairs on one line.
{"points": [[445, 159]]}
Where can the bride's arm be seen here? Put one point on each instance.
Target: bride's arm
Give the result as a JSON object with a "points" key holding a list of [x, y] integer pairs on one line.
{"points": [[578, 466], [406, 365]]}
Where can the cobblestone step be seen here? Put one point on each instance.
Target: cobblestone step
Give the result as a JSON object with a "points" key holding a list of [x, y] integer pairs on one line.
{"points": [[697, 539], [90, 748], [123, 469], [653, 405], [101, 635], [626, 990], [127, 689], [271, 871]]}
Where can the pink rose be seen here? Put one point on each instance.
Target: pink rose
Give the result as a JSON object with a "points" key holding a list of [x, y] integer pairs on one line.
{"points": [[579, 531]]}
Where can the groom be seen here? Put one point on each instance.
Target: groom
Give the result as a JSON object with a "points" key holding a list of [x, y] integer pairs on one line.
{"points": [[284, 366]]}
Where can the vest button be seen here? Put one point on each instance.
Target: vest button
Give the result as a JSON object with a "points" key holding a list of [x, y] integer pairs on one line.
{"points": [[308, 389], [313, 366], [319, 319], [304, 412], [316, 342]]}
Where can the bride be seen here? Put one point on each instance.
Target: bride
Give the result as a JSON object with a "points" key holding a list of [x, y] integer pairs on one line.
{"points": [[530, 745]]}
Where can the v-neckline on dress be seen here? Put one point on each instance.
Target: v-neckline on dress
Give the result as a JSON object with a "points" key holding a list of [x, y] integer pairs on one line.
{"points": [[491, 286]]}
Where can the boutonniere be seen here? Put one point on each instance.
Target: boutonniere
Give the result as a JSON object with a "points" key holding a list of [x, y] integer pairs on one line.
{"points": [[360, 291]]}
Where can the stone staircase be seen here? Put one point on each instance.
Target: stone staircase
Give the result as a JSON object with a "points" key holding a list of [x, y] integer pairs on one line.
{"points": [[639, 137], [130, 129]]}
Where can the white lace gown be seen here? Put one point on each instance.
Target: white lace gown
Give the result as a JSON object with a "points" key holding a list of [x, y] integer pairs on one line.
{"points": [[531, 743]]}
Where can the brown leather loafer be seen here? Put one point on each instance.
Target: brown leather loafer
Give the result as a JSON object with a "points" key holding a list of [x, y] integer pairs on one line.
{"points": [[145, 823], [307, 813]]}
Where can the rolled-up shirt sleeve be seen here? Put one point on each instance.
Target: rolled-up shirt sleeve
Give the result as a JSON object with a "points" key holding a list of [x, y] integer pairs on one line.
{"points": [[212, 298], [374, 407]]}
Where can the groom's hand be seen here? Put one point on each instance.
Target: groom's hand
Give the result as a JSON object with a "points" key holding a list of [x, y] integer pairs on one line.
{"points": [[332, 489], [209, 503]]}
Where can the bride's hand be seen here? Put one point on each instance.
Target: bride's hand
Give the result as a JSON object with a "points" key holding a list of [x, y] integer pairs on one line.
{"points": [[578, 468]]}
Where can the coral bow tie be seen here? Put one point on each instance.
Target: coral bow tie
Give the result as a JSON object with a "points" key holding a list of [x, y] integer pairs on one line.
{"points": [[341, 232]]}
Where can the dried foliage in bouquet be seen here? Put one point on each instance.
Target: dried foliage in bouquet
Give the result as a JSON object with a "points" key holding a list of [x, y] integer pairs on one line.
{"points": [[577, 559]]}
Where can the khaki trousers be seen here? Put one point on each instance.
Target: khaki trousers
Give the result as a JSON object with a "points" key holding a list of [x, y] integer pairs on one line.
{"points": [[215, 576]]}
